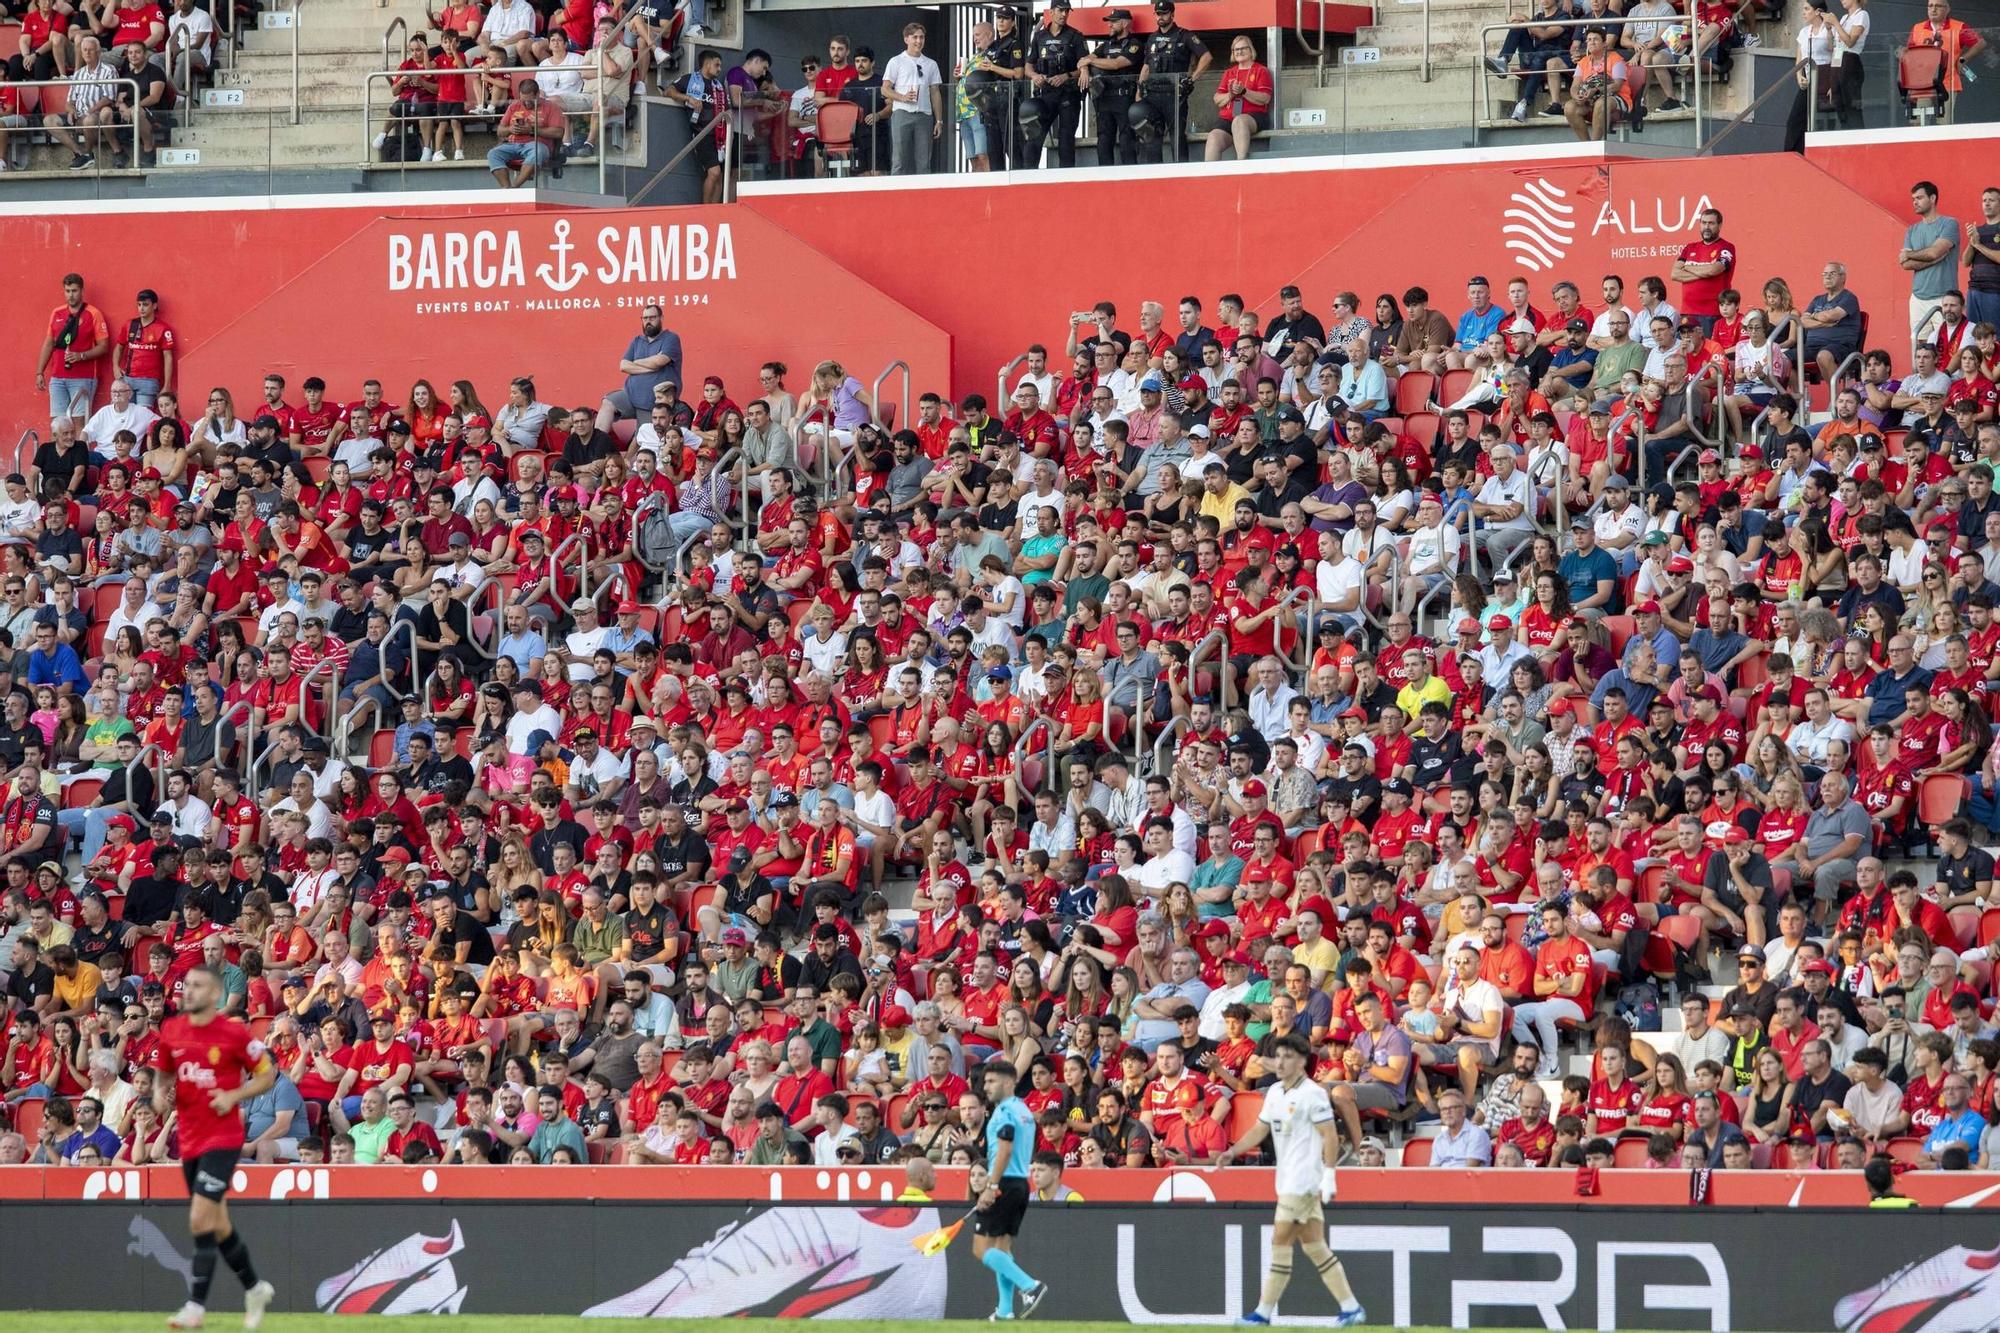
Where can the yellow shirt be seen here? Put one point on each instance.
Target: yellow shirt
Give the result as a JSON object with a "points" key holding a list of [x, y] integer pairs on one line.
{"points": [[78, 991], [1412, 700], [1222, 508]]}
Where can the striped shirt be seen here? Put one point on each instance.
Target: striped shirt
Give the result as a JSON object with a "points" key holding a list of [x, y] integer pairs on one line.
{"points": [[92, 87]]}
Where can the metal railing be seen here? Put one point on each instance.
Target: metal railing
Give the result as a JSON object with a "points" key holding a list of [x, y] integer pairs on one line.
{"points": [[590, 74], [875, 393], [329, 669], [127, 92], [1022, 751], [1001, 396], [1691, 401], [1174, 727], [159, 769], [25, 450], [694, 139], [1225, 684], [389, 45], [297, 5], [1482, 109], [180, 68], [824, 469]]}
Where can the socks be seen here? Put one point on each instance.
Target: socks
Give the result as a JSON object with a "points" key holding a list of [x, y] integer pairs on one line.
{"points": [[204, 1268], [1275, 1282], [1007, 1276], [1327, 1264], [1002, 1263], [237, 1256]]}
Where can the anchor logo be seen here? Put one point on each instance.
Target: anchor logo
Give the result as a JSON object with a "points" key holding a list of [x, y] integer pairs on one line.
{"points": [[562, 275]]}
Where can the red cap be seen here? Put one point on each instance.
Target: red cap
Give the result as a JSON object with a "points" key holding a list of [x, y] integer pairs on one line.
{"points": [[1356, 711], [1821, 966], [1240, 957], [1709, 456], [396, 854], [716, 380], [126, 822], [1680, 564], [1735, 834], [628, 608], [1192, 383], [230, 544], [1500, 622], [1751, 453], [895, 1016], [478, 419], [1557, 707], [1649, 607], [151, 474], [1254, 787], [1211, 928]]}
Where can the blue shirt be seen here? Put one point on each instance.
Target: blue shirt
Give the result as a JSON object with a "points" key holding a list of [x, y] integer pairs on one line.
{"points": [[1011, 1121], [525, 647], [639, 388], [1474, 328], [1885, 694], [60, 667], [1582, 573], [1934, 280], [1966, 1127]]}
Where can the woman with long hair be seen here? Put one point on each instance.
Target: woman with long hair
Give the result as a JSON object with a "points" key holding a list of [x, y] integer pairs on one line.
{"points": [[1670, 1110], [465, 401], [425, 414], [1963, 739], [218, 426], [1387, 326], [1025, 988], [1548, 624], [1766, 1100]]}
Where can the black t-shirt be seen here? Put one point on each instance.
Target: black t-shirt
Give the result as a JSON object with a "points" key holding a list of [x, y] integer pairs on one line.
{"points": [[57, 546], [30, 984], [13, 740], [61, 464], [646, 930], [997, 517], [151, 900], [1285, 331], [593, 448], [465, 893], [1435, 760], [604, 1113], [1465, 455], [674, 857], [1364, 788], [1808, 1096], [91, 945], [366, 548], [1962, 874], [147, 77], [1983, 274], [465, 929]]}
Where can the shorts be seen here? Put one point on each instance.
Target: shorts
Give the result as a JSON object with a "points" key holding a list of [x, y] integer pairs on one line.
{"points": [[209, 1175], [444, 110], [1004, 1217], [707, 153], [1261, 119], [1300, 1208], [972, 136], [1374, 1096]]}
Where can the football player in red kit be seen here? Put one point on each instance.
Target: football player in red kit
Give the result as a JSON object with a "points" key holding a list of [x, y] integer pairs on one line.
{"points": [[216, 1066]]}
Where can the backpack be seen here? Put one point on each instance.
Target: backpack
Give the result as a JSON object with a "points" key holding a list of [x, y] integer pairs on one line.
{"points": [[404, 143], [1639, 1006], [653, 535]]}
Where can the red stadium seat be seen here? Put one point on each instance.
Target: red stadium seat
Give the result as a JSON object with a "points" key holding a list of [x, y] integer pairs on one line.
{"points": [[1752, 672], [81, 793], [1621, 629], [1989, 925], [318, 466], [1414, 391], [1423, 427], [1244, 1109], [624, 430], [28, 1117], [1628, 1153], [1941, 797], [1905, 1150], [1417, 1152], [1456, 384], [382, 749]]}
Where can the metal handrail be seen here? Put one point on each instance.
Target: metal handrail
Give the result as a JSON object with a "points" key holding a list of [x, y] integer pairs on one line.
{"points": [[1853, 358], [728, 134], [25, 450], [1744, 117], [1482, 110], [324, 667], [389, 47], [113, 129], [159, 777], [1048, 729], [180, 49], [875, 392], [1689, 414], [498, 611], [297, 5], [1175, 726], [1225, 685], [1003, 397], [1319, 49], [823, 459], [1292, 597], [591, 75], [1680, 461], [575, 539]]}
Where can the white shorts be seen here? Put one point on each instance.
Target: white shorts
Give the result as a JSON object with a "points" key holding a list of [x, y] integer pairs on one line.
{"points": [[1300, 1208]]}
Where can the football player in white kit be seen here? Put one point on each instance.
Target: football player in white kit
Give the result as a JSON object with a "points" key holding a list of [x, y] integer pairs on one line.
{"points": [[1298, 1117]]}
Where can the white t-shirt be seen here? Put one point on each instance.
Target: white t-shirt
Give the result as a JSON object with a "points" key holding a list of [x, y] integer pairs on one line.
{"points": [[876, 809], [505, 21], [1601, 326], [911, 74], [1294, 1116], [558, 77], [107, 421], [581, 646], [523, 725], [1016, 616], [1433, 550], [1338, 578], [1171, 868], [356, 451]]}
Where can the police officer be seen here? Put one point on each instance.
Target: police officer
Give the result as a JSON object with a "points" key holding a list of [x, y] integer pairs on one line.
{"points": [[1111, 76], [1175, 58], [1053, 101], [993, 78]]}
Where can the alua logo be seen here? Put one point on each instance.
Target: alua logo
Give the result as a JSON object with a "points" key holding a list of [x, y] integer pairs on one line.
{"points": [[1538, 224]]}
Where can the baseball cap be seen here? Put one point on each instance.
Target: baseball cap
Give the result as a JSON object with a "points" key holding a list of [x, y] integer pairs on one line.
{"points": [[1735, 834], [784, 800], [1500, 622], [1820, 966], [1001, 672], [628, 608], [265, 422], [1151, 384], [1503, 576], [1680, 564], [1125, 14], [1709, 456], [895, 1015], [397, 854], [1649, 607], [1617, 482], [459, 541], [1254, 787], [735, 935], [1578, 326], [1236, 958], [1291, 414], [397, 426], [1751, 951], [1399, 786]]}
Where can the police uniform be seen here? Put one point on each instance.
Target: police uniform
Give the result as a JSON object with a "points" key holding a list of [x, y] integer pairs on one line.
{"points": [[1055, 106], [1161, 113], [1113, 91], [999, 98]]}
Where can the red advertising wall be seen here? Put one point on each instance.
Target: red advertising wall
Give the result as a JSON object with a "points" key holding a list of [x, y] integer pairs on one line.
{"points": [[1006, 265], [1881, 166], [456, 294]]}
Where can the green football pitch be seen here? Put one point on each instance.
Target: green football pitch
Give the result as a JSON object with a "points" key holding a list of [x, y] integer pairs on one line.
{"points": [[86, 1321]]}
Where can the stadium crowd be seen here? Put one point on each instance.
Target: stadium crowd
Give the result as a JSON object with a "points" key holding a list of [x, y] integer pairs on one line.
{"points": [[540, 778]]}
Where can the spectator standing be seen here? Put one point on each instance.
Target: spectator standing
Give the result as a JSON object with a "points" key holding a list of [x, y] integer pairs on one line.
{"points": [[915, 90], [990, 79], [651, 359], [706, 97], [1175, 58], [78, 335], [1982, 262], [1110, 74], [144, 354], [1705, 268], [1053, 102], [1930, 245]]}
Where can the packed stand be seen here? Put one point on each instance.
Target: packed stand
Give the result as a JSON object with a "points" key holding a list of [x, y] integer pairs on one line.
{"points": [[730, 784]]}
